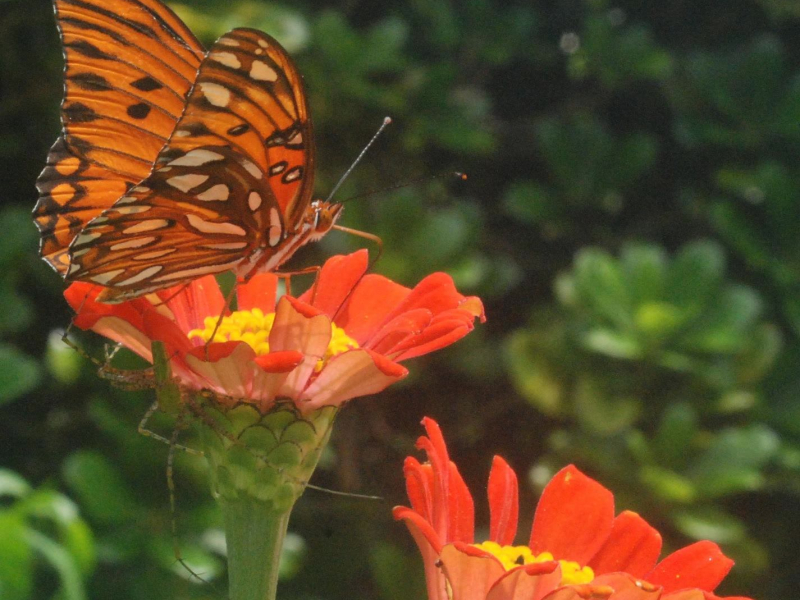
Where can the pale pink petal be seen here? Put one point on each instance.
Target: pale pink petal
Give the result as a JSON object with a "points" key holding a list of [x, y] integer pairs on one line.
{"points": [[531, 582], [349, 375], [434, 578], [582, 592], [126, 334], [628, 587], [471, 575], [294, 331], [232, 375]]}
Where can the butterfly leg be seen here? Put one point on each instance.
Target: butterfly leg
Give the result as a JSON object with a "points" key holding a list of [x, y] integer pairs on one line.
{"points": [[287, 279], [367, 236]]}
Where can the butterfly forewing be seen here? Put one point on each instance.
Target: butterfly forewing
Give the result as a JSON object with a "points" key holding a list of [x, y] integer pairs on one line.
{"points": [[230, 187], [129, 66], [249, 95]]}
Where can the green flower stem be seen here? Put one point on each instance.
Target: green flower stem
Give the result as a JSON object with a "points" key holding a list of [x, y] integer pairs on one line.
{"points": [[259, 464], [255, 533]]}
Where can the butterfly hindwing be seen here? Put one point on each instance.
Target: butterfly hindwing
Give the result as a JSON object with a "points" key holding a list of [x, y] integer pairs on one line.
{"points": [[128, 67], [215, 198]]}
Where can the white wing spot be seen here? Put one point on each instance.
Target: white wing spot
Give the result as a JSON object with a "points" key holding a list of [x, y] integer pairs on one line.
{"points": [[182, 133], [215, 192], [225, 246], [150, 225], [128, 199], [263, 44], [297, 138], [251, 168], [141, 189], [292, 174], [104, 278], [154, 254], [186, 182], [195, 158], [145, 274], [261, 71], [86, 237], [164, 169], [197, 271], [275, 227], [228, 42], [131, 210], [135, 243], [226, 58], [204, 226], [254, 201], [215, 93], [259, 51]]}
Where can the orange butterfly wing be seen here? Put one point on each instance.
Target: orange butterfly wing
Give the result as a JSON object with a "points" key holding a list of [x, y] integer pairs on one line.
{"points": [[229, 190], [128, 67]]}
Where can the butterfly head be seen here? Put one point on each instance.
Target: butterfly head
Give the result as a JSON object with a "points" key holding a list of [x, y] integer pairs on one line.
{"points": [[321, 216]]}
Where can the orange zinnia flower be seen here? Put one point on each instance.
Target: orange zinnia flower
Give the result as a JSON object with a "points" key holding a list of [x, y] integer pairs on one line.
{"points": [[577, 549], [342, 340]]}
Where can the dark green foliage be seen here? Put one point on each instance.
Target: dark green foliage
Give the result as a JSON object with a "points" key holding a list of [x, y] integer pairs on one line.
{"points": [[631, 219]]}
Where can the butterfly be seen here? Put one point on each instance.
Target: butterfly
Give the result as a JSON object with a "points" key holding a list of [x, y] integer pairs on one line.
{"points": [[174, 162]]}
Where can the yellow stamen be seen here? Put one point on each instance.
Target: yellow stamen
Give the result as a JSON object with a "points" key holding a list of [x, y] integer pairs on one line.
{"points": [[253, 327], [513, 556]]}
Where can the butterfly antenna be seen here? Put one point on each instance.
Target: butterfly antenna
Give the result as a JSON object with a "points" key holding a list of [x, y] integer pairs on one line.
{"points": [[386, 121]]}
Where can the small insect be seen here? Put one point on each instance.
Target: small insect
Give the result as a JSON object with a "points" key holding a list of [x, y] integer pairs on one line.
{"points": [[174, 162]]}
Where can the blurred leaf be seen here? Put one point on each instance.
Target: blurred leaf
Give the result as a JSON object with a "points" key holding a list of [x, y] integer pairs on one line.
{"points": [[16, 558], [19, 374], [709, 523], [104, 495], [734, 460]]}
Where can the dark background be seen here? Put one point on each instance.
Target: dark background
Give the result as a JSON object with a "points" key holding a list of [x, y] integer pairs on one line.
{"points": [[630, 220]]}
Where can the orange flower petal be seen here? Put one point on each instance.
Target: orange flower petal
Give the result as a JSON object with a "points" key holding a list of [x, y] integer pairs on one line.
{"points": [[372, 302], [260, 292], [335, 281], [573, 518], [503, 503], [279, 362], [632, 546], [701, 565], [191, 304]]}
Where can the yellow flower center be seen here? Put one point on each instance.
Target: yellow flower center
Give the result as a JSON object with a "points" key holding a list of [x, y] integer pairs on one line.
{"points": [[513, 556], [253, 328]]}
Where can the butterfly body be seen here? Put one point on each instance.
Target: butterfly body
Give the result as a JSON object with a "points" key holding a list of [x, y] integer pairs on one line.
{"points": [[174, 163]]}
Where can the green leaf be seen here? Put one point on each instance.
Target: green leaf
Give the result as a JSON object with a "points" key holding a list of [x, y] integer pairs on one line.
{"points": [[16, 558], [69, 575]]}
